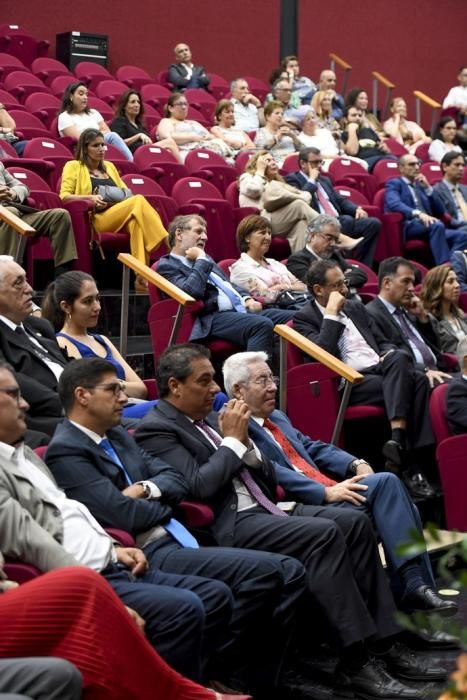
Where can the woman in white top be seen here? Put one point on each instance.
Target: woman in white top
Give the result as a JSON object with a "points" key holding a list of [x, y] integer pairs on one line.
{"points": [[225, 129], [188, 134], [444, 139], [258, 275], [322, 139], [75, 116], [405, 132]]}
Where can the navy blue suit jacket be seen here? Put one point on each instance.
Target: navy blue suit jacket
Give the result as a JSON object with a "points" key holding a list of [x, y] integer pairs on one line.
{"points": [[89, 475], [323, 456], [343, 205], [398, 198], [444, 193], [194, 281]]}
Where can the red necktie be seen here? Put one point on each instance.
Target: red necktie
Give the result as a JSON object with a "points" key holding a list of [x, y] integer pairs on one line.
{"points": [[329, 209], [294, 458]]}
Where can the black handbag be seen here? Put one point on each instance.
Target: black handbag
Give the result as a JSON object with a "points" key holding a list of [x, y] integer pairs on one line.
{"points": [[290, 300]]}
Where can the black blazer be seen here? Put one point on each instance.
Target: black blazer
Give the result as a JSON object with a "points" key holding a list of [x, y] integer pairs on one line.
{"points": [[309, 321], [177, 75], [456, 405], [37, 382], [167, 433], [194, 281], [390, 329], [299, 262], [343, 205], [88, 474]]}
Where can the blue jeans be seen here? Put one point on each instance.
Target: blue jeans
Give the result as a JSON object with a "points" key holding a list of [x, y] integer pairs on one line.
{"points": [[118, 142]]}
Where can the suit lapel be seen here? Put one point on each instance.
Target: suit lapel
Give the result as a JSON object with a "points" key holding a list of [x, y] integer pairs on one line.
{"points": [[368, 337], [186, 424]]}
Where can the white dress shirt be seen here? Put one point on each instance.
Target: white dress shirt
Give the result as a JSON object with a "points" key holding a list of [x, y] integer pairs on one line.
{"points": [[356, 351]]}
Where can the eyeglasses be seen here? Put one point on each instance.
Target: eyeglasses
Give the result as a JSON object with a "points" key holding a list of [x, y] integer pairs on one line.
{"points": [[328, 237], [263, 382], [337, 285], [180, 104], [13, 391], [114, 387]]}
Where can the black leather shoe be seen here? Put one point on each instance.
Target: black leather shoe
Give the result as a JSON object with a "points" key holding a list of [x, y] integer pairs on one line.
{"points": [[403, 663], [296, 686], [373, 682], [394, 453], [425, 639], [418, 486], [426, 599]]}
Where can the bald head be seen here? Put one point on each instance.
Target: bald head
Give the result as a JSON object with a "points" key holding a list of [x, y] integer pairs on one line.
{"points": [[327, 80]]}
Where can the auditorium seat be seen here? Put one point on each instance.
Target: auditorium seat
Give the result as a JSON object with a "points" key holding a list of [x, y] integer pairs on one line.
{"points": [[202, 101], [21, 84], [210, 166], [155, 95], [48, 68], [59, 84], [134, 77], [102, 107], [91, 73], [218, 86], [385, 170], [110, 90], [397, 149], [344, 171], [116, 157], [156, 196], [51, 150], [422, 152], [290, 164], [43, 106], [17, 42], [258, 87], [8, 64], [159, 164], [9, 101], [432, 172], [29, 125]]}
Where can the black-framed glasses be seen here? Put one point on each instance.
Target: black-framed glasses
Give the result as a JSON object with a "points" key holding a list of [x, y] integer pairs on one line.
{"points": [[414, 163], [13, 391], [114, 387]]}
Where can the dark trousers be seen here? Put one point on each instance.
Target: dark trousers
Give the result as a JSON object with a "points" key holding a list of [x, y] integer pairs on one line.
{"points": [[404, 392], [369, 228], [37, 678], [266, 589], [344, 575], [181, 613], [253, 331]]}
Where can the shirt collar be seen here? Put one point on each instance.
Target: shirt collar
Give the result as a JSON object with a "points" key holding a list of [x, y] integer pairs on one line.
{"points": [[258, 420], [95, 437], [390, 307], [10, 324], [7, 451]]}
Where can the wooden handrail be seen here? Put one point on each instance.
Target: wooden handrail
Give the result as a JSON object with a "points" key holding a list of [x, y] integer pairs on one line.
{"points": [[380, 78], [427, 100], [15, 222], [323, 356], [155, 278], [340, 61]]}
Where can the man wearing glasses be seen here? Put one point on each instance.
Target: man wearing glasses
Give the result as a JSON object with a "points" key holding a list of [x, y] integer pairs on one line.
{"points": [[322, 244], [28, 344], [353, 219], [412, 196]]}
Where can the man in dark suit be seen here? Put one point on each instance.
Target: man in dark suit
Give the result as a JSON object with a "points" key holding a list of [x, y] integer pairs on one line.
{"points": [[456, 403], [228, 312], [343, 328], [412, 196], [381, 496], [184, 74], [223, 467], [126, 488], [28, 344], [452, 193], [354, 220], [322, 241]]}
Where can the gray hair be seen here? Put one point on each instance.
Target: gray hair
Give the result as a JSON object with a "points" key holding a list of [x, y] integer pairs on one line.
{"points": [[4, 259], [233, 84], [181, 222], [317, 225], [236, 368]]}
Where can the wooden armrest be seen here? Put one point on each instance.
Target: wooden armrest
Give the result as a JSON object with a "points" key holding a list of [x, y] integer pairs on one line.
{"points": [[427, 100], [15, 222], [318, 354], [155, 278], [340, 61], [380, 78]]}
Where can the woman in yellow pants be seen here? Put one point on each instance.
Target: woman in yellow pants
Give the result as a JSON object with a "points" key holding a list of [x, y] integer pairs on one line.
{"points": [[90, 177]]}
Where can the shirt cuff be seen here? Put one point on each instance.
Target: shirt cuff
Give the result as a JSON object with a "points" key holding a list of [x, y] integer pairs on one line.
{"points": [[155, 490], [235, 445], [332, 317]]}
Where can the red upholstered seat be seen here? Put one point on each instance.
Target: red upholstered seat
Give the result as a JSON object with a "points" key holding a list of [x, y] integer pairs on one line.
{"points": [[210, 166]]}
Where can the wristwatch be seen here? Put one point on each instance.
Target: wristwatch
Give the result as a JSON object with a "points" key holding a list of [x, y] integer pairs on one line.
{"points": [[146, 488], [352, 468]]}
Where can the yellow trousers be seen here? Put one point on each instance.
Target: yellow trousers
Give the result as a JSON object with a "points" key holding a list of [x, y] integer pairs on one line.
{"points": [[140, 219]]}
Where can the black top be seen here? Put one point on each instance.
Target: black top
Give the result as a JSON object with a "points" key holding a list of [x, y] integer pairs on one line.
{"points": [[124, 128], [366, 149]]}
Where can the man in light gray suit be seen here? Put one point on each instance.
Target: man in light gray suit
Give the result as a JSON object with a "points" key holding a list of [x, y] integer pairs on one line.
{"points": [[450, 190]]}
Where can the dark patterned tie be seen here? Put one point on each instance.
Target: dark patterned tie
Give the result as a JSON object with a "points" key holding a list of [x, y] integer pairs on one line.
{"points": [[253, 488], [409, 332]]}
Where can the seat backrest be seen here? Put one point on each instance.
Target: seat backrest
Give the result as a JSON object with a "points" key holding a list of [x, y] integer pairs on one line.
{"points": [[385, 170], [371, 274], [161, 317], [41, 100], [85, 69], [46, 147], [378, 200], [290, 164], [241, 161], [140, 184], [199, 95], [102, 106], [194, 188], [9, 100], [396, 148], [129, 72], [21, 44], [438, 413], [258, 87], [60, 83], [155, 95], [48, 68], [312, 385], [422, 152], [231, 194], [9, 63], [354, 195], [150, 154], [343, 167], [110, 90], [29, 178], [225, 266], [24, 119], [201, 158], [17, 81], [450, 455], [432, 172]]}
